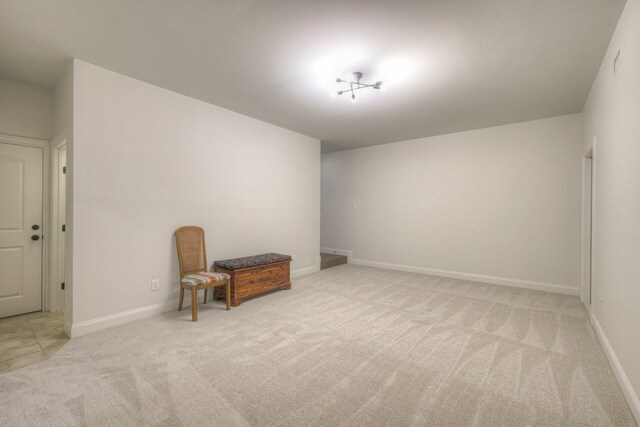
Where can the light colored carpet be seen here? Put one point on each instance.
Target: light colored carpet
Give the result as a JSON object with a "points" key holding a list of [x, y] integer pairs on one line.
{"points": [[346, 346]]}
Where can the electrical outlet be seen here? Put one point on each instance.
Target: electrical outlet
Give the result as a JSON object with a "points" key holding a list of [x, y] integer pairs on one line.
{"points": [[155, 284]]}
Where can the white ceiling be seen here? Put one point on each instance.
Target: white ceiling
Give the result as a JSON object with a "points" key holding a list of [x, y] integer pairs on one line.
{"points": [[448, 65]]}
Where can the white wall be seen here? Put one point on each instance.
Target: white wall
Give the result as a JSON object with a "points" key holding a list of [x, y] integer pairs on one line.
{"points": [[501, 204], [147, 160], [25, 110], [63, 103], [612, 115]]}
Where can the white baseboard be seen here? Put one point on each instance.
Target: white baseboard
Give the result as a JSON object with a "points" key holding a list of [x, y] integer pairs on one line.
{"points": [[307, 270], [503, 281], [100, 323], [625, 384]]}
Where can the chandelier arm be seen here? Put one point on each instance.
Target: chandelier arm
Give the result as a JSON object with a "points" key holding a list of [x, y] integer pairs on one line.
{"points": [[351, 89], [356, 85], [361, 84]]}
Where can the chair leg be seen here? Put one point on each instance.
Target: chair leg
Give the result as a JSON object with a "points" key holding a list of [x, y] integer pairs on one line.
{"points": [[194, 304], [181, 298], [228, 294], [206, 295]]}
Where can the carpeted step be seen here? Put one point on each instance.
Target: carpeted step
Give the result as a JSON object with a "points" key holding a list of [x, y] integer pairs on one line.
{"points": [[331, 260]]}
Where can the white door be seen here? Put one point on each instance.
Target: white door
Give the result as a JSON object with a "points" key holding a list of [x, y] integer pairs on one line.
{"points": [[20, 229]]}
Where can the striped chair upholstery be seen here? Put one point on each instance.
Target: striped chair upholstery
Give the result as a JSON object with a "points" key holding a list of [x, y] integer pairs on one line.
{"points": [[203, 277]]}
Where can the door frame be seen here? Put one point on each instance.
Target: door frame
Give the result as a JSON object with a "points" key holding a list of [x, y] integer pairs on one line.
{"points": [[44, 146], [54, 287], [587, 289]]}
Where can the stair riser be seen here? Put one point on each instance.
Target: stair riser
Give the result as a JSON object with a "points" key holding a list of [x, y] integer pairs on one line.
{"points": [[332, 263]]}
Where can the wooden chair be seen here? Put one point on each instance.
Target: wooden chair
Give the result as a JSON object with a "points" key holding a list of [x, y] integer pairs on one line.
{"points": [[192, 256]]}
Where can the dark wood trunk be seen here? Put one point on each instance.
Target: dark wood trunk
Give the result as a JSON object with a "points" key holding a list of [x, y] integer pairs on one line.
{"points": [[252, 281]]}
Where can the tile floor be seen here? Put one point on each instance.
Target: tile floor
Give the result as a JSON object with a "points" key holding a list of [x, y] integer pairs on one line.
{"points": [[30, 338]]}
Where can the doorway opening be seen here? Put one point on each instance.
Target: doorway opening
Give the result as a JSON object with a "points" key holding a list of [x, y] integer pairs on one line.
{"points": [[30, 298]]}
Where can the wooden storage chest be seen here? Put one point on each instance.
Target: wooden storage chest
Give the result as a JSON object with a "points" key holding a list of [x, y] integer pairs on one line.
{"points": [[255, 275]]}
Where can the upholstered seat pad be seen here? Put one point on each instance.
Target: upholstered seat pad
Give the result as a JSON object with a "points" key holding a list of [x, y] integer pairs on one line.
{"points": [[251, 261], [202, 278]]}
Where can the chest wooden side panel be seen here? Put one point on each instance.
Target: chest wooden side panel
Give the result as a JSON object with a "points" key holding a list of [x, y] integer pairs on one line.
{"points": [[253, 281]]}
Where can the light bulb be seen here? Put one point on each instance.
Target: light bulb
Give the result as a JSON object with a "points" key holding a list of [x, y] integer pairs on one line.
{"points": [[353, 97]]}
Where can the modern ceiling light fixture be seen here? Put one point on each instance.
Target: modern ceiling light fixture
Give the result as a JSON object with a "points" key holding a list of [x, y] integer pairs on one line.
{"points": [[356, 85]]}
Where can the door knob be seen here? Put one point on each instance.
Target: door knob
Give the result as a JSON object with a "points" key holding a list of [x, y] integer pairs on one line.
{"points": [[35, 227], [35, 237]]}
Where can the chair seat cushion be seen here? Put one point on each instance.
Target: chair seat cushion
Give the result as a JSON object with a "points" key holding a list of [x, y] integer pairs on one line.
{"points": [[205, 277]]}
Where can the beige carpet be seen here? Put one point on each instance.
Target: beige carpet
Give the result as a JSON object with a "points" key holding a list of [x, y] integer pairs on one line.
{"points": [[350, 346]]}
